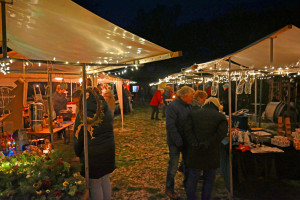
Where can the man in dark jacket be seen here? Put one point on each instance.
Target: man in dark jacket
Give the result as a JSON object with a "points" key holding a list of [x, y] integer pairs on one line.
{"points": [[176, 114], [166, 95], [204, 130], [101, 145], [199, 98], [59, 100]]}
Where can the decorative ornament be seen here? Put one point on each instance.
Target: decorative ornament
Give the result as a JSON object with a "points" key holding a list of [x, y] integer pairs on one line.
{"points": [[246, 138], [240, 86], [243, 148], [215, 85], [240, 137], [97, 119], [249, 83]]}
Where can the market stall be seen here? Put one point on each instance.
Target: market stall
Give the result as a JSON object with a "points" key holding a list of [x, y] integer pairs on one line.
{"points": [[54, 38], [274, 55]]}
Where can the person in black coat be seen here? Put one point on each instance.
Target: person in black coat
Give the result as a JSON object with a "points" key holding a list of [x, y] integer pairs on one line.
{"points": [[204, 130], [101, 145]]}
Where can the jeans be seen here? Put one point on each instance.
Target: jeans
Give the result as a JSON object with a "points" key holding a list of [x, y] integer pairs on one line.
{"points": [[100, 189], [154, 111], [192, 180], [174, 154]]}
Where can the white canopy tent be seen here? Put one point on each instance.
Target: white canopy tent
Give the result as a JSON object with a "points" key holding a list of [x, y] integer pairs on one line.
{"points": [[279, 51], [275, 54], [60, 36], [61, 30]]}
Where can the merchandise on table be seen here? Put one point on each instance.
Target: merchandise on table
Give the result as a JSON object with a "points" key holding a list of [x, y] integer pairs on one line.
{"points": [[266, 149], [260, 136], [280, 141]]}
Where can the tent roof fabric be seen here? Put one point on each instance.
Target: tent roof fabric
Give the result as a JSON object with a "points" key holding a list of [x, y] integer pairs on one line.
{"points": [[256, 56], [65, 31]]}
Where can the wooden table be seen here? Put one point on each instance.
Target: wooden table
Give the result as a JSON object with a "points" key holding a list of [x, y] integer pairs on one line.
{"points": [[46, 132]]}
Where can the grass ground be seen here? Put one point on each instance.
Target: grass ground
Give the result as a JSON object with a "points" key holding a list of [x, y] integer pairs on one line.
{"points": [[142, 159]]}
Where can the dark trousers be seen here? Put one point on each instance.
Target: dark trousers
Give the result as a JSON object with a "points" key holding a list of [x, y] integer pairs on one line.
{"points": [[154, 111], [174, 154], [192, 181], [164, 110]]}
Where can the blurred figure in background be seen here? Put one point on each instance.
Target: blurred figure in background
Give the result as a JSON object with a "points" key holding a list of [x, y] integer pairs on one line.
{"points": [[155, 102], [59, 100], [109, 98], [225, 99], [142, 95], [207, 87], [125, 101], [168, 93], [129, 96]]}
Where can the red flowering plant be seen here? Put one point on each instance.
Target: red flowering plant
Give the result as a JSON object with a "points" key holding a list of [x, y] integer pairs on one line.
{"points": [[31, 175]]}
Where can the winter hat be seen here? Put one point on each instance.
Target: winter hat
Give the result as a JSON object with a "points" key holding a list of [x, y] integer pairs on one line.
{"points": [[215, 101], [226, 85], [162, 86]]}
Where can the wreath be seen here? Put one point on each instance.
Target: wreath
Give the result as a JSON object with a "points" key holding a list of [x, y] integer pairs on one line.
{"points": [[97, 119]]}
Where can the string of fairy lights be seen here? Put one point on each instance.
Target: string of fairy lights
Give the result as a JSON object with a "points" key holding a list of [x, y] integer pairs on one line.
{"points": [[5, 66], [268, 72], [125, 70]]}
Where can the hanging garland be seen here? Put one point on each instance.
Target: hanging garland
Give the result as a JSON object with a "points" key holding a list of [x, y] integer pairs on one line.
{"points": [[97, 119]]}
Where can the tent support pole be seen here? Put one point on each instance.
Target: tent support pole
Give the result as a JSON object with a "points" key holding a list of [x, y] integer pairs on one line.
{"points": [[71, 92], [50, 105], [84, 104], [255, 100], [236, 96], [289, 100], [4, 39], [260, 101], [230, 139]]}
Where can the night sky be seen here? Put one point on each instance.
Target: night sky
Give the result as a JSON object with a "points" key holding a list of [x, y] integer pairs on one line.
{"points": [[202, 29]]}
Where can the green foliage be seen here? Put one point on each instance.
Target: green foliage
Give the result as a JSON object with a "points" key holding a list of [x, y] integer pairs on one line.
{"points": [[33, 176]]}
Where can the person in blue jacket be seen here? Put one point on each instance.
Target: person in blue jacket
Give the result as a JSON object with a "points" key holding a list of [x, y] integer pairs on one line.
{"points": [[176, 114]]}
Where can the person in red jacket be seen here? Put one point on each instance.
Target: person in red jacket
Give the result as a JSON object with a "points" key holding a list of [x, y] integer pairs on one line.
{"points": [[155, 101]]}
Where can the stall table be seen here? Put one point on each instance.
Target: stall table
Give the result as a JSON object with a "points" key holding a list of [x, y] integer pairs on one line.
{"points": [[247, 165], [45, 133]]}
